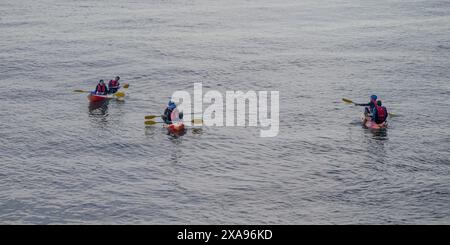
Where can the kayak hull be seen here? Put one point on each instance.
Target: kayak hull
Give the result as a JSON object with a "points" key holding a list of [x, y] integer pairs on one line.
{"points": [[368, 123], [176, 127], [94, 98]]}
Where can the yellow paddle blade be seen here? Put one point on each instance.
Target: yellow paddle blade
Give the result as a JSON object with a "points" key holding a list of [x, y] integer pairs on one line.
{"points": [[347, 100], [151, 116], [126, 85], [81, 91], [150, 122], [392, 114], [120, 94], [197, 121]]}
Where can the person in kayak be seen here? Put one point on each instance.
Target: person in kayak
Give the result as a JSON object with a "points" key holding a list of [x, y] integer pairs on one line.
{"points": [[171, 113], [167, 116], [379, 113], [101, 88], [369, 106], [114, 85]]}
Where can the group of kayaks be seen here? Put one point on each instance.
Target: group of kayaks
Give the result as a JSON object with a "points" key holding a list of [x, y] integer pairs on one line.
{"points": [[178, 126], [94, 98]]}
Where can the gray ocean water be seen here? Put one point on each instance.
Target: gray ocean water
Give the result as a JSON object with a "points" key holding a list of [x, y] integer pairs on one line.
{"points": [[64, 162]]}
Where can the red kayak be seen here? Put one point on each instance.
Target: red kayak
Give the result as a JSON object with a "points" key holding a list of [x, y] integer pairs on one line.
{"points": [[97, 98], [176, 127], [368, 123]]}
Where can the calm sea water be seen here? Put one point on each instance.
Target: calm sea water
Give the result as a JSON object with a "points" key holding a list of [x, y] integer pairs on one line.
{"points": [[64, 162]]}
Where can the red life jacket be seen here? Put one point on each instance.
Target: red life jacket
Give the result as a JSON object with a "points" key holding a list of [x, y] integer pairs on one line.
{"points": [[113, 83], [381, 114], [101, 89]]}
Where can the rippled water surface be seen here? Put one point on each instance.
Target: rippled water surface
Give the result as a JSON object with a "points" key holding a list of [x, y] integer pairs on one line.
{"points": [[62, 161]]}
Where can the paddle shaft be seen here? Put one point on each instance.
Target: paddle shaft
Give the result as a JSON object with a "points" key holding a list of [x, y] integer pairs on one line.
{"points": [[351, 101]]}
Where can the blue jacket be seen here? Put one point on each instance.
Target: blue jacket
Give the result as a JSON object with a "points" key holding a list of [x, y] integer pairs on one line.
{"points": [[371, 105]]}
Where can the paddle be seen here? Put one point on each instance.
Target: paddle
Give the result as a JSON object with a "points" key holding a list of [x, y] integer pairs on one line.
{"points": [[151, 122], [119, 94], [194, 121], [81, 91], [151, 116], [155, 116], [349, 101]]}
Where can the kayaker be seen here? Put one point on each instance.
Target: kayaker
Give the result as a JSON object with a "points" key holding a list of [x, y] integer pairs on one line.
{"points": [[379, 113], [114, 85], [369, 106], [167, 116], [101, 88]]}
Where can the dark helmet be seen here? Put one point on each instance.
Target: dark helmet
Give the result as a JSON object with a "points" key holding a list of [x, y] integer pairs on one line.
{"points": [[101, 81], [373, 97], [117, 78], [379, 103]]}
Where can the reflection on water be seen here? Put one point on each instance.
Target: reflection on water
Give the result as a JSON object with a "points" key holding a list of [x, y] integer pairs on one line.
{"points": [[150, 130], [380, 134], [313, 172], [376, 140], [377, 151], [98, 108], [197, 131], [175, 154], [176, 139], [98, 112]]}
